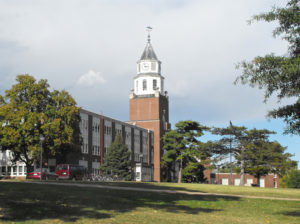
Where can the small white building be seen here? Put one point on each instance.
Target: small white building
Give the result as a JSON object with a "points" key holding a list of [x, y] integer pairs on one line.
{"points": [[8, 169]]}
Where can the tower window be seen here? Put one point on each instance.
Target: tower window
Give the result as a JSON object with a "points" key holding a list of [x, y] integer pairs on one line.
{"points": [[153, 66], [154, 84], [144, 84], [137, 85]]}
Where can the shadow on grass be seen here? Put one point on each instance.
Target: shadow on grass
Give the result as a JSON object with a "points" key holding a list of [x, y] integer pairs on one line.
{"points": [[291, 213], [23, 202], [146, 186]]}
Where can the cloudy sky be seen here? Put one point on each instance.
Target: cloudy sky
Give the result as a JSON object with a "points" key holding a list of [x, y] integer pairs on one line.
{"points": [[90, 48]]}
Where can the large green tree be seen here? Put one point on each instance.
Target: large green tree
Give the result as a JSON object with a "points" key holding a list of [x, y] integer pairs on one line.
{"points": [[252, 151], [265, 157], [279, 74], [116, 161], [30, 110], [182, 146]]}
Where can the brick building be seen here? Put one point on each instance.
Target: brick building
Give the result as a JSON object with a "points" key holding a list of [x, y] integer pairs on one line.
{"points": [[214, 177], [149, 102], [98, 132]]}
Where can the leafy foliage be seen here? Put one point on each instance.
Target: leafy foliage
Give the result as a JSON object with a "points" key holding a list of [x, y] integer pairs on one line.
{"points": [[267, 157], [279, 74], [30, 110], [291, 179], [116, 161], [193, 172], [182, 147]]}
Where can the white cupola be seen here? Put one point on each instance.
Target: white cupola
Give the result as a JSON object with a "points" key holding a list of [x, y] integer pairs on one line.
{"points": [[148, 80]]}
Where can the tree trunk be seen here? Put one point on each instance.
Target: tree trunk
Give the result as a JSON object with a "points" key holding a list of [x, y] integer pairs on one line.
{"points": [[180, 172], [258, 180], [242, 173]]}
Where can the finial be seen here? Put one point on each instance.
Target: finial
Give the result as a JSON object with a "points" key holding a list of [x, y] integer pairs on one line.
{"points": [[148, 29]]}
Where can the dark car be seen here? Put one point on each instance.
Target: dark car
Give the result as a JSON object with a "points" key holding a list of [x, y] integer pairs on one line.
{"points": [[70, 171], [46, 174]]}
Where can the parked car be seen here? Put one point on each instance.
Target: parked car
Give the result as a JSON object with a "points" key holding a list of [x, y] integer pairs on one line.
{"points": [[70, 171], [46, 174]]}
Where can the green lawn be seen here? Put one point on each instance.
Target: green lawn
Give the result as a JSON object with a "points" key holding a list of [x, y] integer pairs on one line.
{"points": [[33, 203], [209, 188]]}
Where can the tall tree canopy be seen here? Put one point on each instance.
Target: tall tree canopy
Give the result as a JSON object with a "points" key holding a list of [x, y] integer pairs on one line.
{"points": [[279, 74], [265, 157], [30, 110], [253, 152], [181, 145]]}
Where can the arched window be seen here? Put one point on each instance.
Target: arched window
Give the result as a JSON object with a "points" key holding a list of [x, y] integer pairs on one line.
{"points": [[144, 84]]}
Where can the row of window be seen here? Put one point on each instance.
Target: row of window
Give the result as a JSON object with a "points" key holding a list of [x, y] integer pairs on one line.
{"points": [[96, 128], [96, 150], [154, 84], [84, 124], [107, 130], [13, 170], [84, 148], [140, 157]]}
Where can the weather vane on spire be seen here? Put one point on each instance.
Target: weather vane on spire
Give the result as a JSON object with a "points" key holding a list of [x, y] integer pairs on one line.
{"points": [[148, 29]]}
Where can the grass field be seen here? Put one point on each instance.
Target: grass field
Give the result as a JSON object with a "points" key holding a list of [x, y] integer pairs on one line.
{"points": [[217, 189], [33, 203]]}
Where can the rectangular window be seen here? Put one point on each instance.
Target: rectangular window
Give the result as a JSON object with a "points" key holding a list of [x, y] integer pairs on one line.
{"points": [[20, 170], [154, 84], [14, 170], [144, 84], [3, 170]]}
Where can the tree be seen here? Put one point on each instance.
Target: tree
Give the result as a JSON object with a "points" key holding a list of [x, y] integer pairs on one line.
{"points": [[116, 161], [265, 157], [230, 143], [182, 145], [252, 150], [193, 172], [291, 179], [279, 74], [30, 110]]}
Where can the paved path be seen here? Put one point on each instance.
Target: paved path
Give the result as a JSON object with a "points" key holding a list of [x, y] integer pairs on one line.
{"points": [[158, 190]]}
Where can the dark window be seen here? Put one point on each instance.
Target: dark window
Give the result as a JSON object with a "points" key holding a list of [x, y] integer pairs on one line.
{"points": [[154, 84], [144, 84]]}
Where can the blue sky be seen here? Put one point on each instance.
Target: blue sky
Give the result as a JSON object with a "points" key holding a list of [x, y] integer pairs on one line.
{"points": [[90, 48]]}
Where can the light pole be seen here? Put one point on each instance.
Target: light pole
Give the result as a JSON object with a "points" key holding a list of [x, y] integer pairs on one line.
{"points": [[42, 138], [230, 154]]}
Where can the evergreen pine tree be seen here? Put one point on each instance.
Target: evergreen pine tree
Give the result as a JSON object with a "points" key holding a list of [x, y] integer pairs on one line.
{"points": [[117, 160]]}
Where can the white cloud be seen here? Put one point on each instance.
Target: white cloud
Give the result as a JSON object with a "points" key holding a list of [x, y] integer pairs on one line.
{"points": [[91, 78]]}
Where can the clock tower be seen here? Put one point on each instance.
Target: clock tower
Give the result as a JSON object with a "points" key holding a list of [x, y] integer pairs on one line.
{"points": [[149, 102]]}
